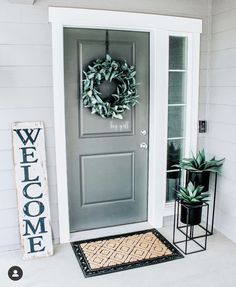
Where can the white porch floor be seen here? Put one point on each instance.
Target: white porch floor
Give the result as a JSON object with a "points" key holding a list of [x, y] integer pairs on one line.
{"points": [[214, 267]]}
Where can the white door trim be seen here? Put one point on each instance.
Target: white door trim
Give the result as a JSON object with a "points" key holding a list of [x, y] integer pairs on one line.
{"points": [[158, 26]]}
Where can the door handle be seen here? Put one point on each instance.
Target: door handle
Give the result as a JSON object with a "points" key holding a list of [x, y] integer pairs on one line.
{"points": [[143, 146]]}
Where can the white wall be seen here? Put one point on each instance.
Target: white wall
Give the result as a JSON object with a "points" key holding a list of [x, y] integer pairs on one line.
{"points": [[26, 83], [220, 103]]}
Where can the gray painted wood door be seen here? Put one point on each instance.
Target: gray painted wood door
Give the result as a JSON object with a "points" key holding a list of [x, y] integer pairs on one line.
{"points": [[107, 169]]}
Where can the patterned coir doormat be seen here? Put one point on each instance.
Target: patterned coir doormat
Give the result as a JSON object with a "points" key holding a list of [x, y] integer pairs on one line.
{"points": [[122, 252]]}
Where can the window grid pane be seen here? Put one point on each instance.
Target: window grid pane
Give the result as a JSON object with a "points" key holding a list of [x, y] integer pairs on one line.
{"points": [[174, 153], [176, 121], [177, 86]]}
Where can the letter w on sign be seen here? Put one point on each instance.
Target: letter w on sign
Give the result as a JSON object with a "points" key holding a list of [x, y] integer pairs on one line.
{"points": [[32, 189]]}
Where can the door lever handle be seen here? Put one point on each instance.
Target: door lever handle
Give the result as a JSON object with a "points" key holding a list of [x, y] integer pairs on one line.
{"points": [[143, 146]]}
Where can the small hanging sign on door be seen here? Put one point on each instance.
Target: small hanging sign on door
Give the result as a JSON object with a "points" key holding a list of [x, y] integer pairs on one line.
{"points": [[32, 189]]}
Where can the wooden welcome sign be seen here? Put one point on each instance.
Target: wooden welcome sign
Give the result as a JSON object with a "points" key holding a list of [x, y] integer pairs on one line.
{"points": [[32, 189]]}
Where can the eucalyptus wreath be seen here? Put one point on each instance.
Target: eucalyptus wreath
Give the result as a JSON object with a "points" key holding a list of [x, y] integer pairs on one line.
{"points": [[124, 98]]}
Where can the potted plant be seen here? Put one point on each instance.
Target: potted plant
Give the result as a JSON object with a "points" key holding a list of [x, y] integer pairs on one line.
{"points": [[198, 168], [191, 198]]}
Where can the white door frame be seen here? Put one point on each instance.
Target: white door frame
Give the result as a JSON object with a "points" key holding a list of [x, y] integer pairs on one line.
{"points": [[159, 27]]}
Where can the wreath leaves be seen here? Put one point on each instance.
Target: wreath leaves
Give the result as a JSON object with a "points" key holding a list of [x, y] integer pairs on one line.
{"points": [[125, 96]]}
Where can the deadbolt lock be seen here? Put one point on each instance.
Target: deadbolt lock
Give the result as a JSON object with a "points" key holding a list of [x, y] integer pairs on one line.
{"points": [[143, 132]]}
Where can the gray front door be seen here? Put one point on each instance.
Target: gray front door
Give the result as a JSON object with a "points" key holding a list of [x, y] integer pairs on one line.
{"points": [[107, 168]]}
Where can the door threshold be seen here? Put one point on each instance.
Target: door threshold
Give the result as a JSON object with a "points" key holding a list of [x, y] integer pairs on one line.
{"points": [[109, 231]]}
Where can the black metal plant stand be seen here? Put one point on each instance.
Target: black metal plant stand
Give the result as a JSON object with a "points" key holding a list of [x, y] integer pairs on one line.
{"points": [[212, 210], [189, 231], [210, 232]]}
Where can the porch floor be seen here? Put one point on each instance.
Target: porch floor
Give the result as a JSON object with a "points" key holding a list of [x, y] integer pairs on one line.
{"points": [[214, 267]]}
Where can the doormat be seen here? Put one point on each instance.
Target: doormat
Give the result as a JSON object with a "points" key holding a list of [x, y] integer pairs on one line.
{"points": [[121, 252]]}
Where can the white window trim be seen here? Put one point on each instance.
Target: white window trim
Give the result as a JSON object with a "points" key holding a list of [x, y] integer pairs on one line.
{"points": [[159, 27], [192, 93]]}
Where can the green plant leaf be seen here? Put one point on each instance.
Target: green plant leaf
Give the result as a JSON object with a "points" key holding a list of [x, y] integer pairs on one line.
{"points": [[118, 116], [108, 57], [192, 194]]}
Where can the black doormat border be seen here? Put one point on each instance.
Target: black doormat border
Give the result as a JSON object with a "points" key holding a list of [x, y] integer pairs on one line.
{"points": [[124, 266]]}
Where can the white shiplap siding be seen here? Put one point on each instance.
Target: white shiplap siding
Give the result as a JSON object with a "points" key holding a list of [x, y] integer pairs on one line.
{"points": [[220, 139], [25, 95], [26, 84]]}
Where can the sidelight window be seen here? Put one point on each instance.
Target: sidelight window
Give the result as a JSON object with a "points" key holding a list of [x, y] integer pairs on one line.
{"points": [[177, 105]]}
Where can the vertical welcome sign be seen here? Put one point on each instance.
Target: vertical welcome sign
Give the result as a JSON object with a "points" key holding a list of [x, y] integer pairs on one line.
{"points": [[32, 189]]}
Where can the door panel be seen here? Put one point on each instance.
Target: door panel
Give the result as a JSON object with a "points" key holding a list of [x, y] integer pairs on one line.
{"points": [[107, 170], [120, 163]]}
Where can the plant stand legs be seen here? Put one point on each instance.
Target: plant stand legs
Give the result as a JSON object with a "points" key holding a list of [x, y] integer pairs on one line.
{"points": [[211, 230], [191, 242]]}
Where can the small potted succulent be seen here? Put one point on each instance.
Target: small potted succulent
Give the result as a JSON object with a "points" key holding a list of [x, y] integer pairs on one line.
{"points": [[198, 169], [191, 199]]}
